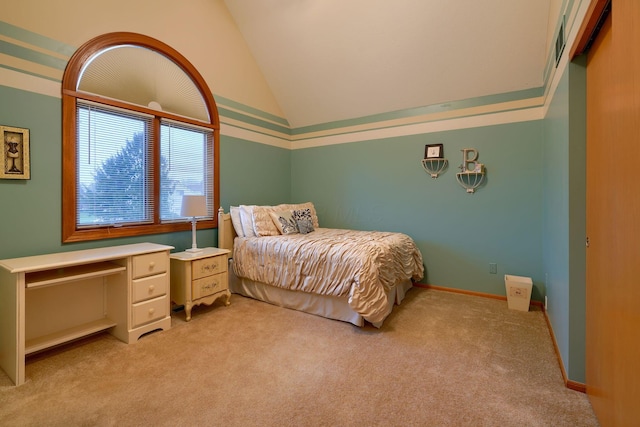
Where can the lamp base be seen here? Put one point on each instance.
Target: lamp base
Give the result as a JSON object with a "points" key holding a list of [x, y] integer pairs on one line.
{"points": [[194, 246]]}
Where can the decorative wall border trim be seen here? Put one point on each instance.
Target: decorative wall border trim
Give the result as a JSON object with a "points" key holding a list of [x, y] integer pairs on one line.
{"points": [[29, 83], [393, 131]]}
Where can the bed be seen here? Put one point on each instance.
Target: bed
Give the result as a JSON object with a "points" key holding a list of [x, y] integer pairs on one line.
{"points": [[282, 256]]}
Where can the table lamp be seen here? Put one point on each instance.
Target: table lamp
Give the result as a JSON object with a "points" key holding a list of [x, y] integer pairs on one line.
{"points": [[194, 206]]}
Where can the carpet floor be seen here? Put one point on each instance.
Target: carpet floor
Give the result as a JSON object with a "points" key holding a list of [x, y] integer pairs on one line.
{"points": [[440, 359]]}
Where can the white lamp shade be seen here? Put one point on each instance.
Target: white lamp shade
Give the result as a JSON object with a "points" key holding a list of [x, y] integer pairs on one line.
{"points": [[193, 206]]}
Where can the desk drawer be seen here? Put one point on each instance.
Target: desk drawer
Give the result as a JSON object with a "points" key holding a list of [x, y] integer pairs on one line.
{"points": [[208, 266], [148, 311], [150, 287], [209, 285], [149, 264]]}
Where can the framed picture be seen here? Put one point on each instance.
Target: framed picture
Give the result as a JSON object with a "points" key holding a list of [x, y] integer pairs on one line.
{"points": [[433, 151], [14, 163]]}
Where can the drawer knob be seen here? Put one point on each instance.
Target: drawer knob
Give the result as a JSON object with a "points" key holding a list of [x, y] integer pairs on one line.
{"points": [[152, 264], [151, 311], [151, 288]]}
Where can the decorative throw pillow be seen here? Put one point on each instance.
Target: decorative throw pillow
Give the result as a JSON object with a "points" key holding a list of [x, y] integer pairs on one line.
{"points": [[305, 226], [299, 206], [303, 220], [262, 223], [284, 222]]}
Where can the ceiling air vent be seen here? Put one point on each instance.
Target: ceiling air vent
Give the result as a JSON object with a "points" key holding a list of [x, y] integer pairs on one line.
{"points": [[560, 41], [606, 9]]}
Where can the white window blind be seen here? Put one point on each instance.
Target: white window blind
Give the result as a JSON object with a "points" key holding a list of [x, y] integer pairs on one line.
{"points": [[114, 167], [187, 166]]}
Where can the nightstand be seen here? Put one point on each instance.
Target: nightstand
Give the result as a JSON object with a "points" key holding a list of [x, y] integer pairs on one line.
{"points": [[199, 278]]}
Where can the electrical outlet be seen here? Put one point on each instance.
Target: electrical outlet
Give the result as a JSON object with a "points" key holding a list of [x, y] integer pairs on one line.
{"points": [[493, 268]]}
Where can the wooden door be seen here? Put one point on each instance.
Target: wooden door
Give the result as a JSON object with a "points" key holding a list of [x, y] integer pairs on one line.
{"points": [[613, 218]]}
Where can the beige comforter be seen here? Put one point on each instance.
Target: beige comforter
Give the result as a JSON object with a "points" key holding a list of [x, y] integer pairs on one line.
{"points": [[361, 265]]}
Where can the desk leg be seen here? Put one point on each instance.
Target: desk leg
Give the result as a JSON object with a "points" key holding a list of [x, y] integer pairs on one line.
{"points": [[12, 325]]}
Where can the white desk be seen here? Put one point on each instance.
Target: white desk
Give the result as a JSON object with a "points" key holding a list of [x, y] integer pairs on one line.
{"points": [[47, 300]]}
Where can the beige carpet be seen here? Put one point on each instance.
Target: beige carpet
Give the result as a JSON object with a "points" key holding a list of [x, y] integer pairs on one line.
{"points": [[441, 359]]}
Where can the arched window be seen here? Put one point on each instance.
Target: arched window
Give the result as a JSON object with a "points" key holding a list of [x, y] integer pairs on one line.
{"points": [[140, 130]]}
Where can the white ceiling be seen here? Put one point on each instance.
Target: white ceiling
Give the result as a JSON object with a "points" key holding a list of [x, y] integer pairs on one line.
{"points": [[330, 60]]}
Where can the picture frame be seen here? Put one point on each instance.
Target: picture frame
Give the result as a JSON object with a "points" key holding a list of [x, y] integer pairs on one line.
{"points": [[15, 158], [434, 151]]}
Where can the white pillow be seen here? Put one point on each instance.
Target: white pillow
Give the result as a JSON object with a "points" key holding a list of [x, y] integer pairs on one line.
{"points": [[235, 220], [246, 219]]}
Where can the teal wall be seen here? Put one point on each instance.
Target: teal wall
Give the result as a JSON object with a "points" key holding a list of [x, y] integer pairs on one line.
{"points": [[253, 173], [31, 211], [565, 216], [380, 184]]}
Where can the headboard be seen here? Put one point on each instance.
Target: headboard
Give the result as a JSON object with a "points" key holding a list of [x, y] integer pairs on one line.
{"points": [[226, 232]]}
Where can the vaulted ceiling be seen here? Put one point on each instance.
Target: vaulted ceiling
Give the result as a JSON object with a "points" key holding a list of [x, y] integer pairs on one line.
{"points": [[331, 60]]}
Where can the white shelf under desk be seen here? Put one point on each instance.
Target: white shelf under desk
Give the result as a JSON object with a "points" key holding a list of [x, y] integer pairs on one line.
{"points": [[66, 335]]}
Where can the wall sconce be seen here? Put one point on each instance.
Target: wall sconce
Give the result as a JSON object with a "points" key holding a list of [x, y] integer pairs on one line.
{"points": [[194, 206], [472, 173], [434, 162]]}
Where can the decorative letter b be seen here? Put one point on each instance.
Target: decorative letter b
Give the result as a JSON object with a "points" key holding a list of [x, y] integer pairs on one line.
{"points": [[466, 158]]}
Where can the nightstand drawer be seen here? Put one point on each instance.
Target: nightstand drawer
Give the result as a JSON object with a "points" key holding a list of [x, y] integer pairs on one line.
{"points": [[208, 266], [149, 311], [209, 285], [149, 264], [150, 287]]}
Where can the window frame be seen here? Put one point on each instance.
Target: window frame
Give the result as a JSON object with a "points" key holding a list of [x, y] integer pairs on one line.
{"points": [[70, 96]]}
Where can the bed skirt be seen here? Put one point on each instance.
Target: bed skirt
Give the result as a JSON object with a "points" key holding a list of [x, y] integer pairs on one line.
{"points": [[328, 306]]}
